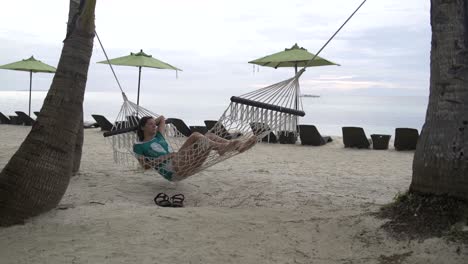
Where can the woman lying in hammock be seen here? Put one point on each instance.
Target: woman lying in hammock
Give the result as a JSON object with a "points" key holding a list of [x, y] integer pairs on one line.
{"points": [[153, 149]]}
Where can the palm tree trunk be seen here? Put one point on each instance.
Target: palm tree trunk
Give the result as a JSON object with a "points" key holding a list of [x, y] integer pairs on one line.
{"points": [[78, 147], [440, 163], [37, 176], [72, 15]]}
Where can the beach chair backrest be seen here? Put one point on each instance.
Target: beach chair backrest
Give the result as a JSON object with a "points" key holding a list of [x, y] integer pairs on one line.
{"points": [[105, 124], [259, 128], [180, 125], [310, 135], [355, 137], [24, 118], [4, 119], [406, 138]]}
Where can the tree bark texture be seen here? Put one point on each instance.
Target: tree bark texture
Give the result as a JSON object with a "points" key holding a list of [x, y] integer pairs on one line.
{"points": [[440, 163], [37, 176]]}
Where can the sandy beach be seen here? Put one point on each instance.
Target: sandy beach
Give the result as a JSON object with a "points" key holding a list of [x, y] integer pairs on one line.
{"points": [[273, 204]]}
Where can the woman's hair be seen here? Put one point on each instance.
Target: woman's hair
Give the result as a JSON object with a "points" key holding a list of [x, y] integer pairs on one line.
{"points": [[141, 124]]}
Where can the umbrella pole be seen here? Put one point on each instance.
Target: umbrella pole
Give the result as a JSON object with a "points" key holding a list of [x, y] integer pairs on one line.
{"points": [[296, 103], [30, 89], [138, 96], [297, 90]]}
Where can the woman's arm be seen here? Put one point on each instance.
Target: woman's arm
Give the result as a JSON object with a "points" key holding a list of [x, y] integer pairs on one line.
{"points": [[161, 123]]}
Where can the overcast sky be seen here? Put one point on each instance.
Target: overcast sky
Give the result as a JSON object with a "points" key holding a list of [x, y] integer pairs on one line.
{"points": [[384, 49]]}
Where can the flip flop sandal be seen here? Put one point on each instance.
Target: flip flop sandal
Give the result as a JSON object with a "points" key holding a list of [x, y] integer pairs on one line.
{"points": [[162, 200], [178, 200]]}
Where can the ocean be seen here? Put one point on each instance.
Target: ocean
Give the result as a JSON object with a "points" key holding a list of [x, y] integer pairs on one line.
{"points": [[376, 114]]}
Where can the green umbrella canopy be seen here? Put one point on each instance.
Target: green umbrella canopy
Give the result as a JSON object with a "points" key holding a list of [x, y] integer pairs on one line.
{"points": [[140, 59], [294, 57], [30, 65]]}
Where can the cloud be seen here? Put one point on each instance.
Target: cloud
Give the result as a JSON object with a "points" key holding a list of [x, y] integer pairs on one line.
{"points": [[334, 77], [386, 44], [347, 85]]}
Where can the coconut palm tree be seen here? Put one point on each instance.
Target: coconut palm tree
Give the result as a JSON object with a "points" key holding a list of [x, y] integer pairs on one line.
{"points": [[37, 176], [75, 6], [440, 163]]}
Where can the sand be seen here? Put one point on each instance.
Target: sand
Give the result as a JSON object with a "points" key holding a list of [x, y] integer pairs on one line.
{"points": [[273, 204]]}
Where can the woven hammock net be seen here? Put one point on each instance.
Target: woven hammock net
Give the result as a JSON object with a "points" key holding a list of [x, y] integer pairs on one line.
{"points": [[249, 118]]}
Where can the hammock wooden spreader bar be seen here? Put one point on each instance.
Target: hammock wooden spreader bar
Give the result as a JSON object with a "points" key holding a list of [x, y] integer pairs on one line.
{"points": [[273, 107]]}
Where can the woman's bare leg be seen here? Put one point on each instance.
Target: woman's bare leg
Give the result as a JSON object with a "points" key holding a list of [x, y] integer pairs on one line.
{"points": [[191, 140], [194, 137], [249, 143], [220, 144], [185, 163], [192, 154], [199, 143], [238, 144], [196, 149], [216, 138], [233, 143]]}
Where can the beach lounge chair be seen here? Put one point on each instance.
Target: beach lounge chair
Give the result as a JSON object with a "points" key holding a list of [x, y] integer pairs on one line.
{"points": [[355, 137], [4, 119], [287, 137], [220, 130], [180, 125], [103, 123], [380, 141], [310, 136], [88, 124], [14, 120], [200, 129], [24, 119], [406, 138], [259, 128]]}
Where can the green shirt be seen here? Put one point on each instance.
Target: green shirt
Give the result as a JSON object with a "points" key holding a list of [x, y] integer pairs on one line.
{"points": [[155, 148]]}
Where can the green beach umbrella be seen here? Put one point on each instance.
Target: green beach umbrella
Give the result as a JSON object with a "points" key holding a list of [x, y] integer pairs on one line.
{"points": [[294, 57], [30, 65], [140, 60]]}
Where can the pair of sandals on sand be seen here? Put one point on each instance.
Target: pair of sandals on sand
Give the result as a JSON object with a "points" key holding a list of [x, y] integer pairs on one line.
{"points": [[163, 200]]}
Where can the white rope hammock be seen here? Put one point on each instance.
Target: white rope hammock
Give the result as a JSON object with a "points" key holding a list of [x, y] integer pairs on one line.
{"points": [[250, 116], [255, 114]]}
